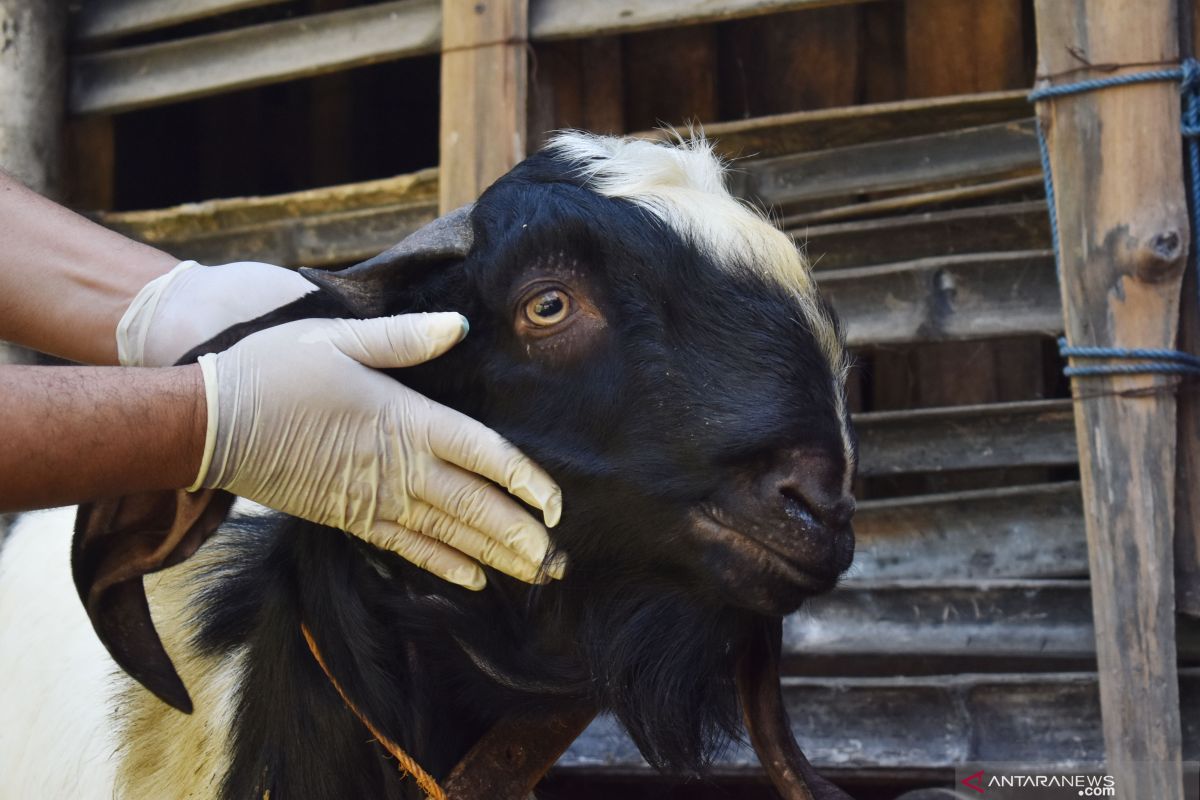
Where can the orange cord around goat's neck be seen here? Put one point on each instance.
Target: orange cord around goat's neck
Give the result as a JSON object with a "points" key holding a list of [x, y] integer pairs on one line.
{"points": [[407, 763]]}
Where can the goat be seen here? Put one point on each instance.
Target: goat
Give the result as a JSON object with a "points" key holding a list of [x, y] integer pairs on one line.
{"points": [[659, 348]]}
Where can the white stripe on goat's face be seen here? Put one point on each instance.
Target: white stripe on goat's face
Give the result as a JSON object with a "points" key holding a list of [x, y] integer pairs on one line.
{"points": [[683, 185]]}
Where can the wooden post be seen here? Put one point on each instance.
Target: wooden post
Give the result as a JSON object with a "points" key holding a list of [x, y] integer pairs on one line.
{"points": [[32, 102], [1187, 487], [1122, 218], [484, 87]]}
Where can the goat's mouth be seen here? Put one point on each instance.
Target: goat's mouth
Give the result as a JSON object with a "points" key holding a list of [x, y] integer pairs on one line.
{"points": [[759, 573]]}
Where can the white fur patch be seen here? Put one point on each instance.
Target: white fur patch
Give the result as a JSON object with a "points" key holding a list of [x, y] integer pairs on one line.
{"points": [[57, 735]]}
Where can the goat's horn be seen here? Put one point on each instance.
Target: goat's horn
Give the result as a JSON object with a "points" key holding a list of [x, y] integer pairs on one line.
{"points": [[767, 720], [363, 288]]}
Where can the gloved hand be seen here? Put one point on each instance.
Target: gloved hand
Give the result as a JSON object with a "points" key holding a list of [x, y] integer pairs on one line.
{"points": [[297, 422], [193, 303]]}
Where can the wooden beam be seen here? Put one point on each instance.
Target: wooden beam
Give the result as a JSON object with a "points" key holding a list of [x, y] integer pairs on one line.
{"points": [[1036, 433], [1038, 619], [978, 229], [970, 296], [136, 77], [1010, 532], [909, 201], [485, 80], [570, 19], [32, 77], [32, 85], [1115, 158], [991, 151], [316, 227], [908, 728], [99, 20], [803, 131]]}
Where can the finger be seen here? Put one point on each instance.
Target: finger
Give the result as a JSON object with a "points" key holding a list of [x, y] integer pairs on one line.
{"points": [[458, 439], [437, 524], [481, 505], [428, 554], [400, 341]]}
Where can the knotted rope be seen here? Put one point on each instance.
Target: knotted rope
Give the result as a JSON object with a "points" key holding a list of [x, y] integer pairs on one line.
{"points": [[1136, 360]]}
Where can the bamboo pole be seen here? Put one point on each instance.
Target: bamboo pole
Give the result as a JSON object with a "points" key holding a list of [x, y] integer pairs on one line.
{"points": [[484, 88], [1122, 217]]}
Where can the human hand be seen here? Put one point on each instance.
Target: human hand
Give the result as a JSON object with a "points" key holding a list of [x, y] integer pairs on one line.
{"points": [[193, 303], [299, 421]]}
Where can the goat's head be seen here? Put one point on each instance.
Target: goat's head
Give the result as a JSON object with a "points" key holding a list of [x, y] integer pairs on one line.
{"points": [[661, 350]]}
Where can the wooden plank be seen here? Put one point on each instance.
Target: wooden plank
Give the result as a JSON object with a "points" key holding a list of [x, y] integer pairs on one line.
{"points": [[915, 726], [812, 58], [1010, 532], [801, 131], [485, 82], [570, 19], [1036, 433], [91, 162], [318, 227], [907, 201], [955, 48], [675, 58], [579, 85], [99, 20], [953, 297], [1115, 160], [136, 77], [1026, 619], [987, 229], [1002, 150]]}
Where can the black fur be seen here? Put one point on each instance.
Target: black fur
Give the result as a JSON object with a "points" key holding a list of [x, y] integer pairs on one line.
{"points": [[701, 375]]}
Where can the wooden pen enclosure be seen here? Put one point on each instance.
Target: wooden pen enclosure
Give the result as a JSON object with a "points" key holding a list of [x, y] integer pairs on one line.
{"points": [[892, 139]]}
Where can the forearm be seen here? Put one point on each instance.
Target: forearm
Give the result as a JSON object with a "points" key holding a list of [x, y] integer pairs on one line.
{"points": [[72, 434], [64, 280]]}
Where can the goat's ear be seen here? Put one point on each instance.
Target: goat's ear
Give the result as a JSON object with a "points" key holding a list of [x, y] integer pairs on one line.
{"points": [[363, 288]]}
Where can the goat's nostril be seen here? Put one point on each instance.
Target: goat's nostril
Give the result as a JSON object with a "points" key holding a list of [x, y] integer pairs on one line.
{"points": [[796, 507], [835, 514]]}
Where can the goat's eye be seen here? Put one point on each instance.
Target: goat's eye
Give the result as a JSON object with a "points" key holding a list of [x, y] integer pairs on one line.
{"points": [[548, 308]]}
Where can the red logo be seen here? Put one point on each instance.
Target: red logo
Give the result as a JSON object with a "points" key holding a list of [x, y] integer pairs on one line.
{"points": [[974, 782]]}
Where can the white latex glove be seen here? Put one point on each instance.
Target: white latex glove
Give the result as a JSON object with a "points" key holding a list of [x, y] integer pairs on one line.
{"points": [[298, 423], [193, 303]]}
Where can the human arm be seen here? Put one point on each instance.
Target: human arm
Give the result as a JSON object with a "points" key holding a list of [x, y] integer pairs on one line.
{"points": [[82, 433], [65, 281]]}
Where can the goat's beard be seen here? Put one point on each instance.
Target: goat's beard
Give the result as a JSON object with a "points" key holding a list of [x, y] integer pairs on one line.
{"points": [[664, 664]]}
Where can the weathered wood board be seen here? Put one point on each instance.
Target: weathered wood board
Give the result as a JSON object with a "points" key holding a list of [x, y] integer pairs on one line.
{"points": [[825, 129], [979, 229], [1000, 191], [98, 20], [319, 227], [1038, 433], [917, 726], [989, 151], [953, 297], [136, 77], [1011, 532], [1050, 619]]}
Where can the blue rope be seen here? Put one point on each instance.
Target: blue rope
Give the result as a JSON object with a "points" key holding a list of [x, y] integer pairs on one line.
{"points": [[1145, 360]]}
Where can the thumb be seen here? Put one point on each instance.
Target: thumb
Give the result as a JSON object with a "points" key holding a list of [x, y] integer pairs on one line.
{"points": [[400, 341]]}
